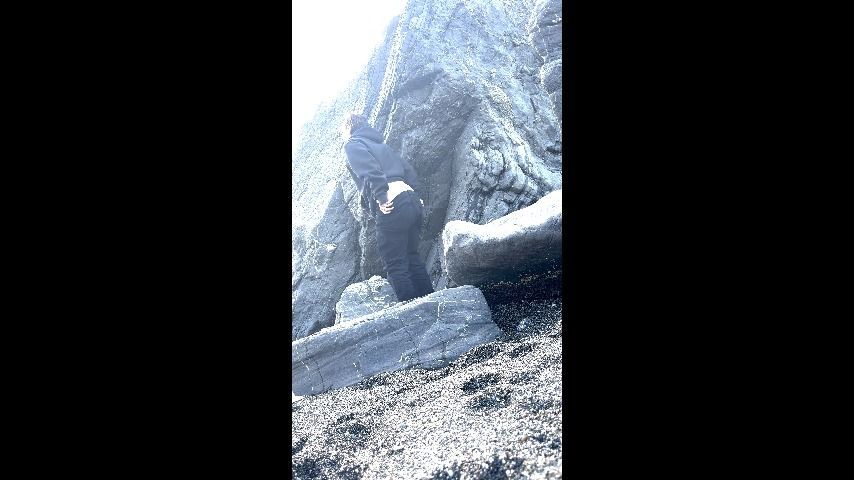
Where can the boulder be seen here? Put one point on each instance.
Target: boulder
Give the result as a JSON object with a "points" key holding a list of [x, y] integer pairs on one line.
{"points": [[522, 243], [427, 332], [363, 298]]}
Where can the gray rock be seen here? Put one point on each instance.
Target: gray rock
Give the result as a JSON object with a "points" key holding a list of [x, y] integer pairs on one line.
{"points": [[545, 26], [545, 33], [324, 263], [466, 92], [363, 298], [427, 332], [524, 242]]}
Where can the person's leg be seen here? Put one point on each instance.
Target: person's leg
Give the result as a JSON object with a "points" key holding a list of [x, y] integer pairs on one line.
{"points": [[391, 243], [417, 270]]}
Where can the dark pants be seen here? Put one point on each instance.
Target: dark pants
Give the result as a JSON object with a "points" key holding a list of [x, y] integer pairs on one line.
{"points": [[398, 234]]}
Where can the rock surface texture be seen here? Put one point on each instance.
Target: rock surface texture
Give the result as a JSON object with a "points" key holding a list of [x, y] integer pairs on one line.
{"points": [[522, 243], [546, 26], [427, 332], [468, 92], [363, 298]]}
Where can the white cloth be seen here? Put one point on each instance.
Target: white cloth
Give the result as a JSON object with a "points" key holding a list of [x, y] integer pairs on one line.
{"points": [[396, 188]]}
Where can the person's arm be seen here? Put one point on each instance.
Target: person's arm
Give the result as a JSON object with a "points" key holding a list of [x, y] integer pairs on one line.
{"points": [[364, 165]]}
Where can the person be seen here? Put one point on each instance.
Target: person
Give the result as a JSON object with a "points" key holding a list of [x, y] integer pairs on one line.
{"points": [[392, 194]]}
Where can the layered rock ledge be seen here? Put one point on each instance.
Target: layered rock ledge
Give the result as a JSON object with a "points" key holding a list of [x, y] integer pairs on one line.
{"points": [[427, 332]]}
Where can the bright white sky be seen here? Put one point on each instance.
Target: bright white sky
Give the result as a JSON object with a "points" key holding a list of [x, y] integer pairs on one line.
{"points": [[332, 41]]}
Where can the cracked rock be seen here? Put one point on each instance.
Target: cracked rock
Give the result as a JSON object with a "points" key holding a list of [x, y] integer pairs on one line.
{"points": [[524, 242], [428, 332]]}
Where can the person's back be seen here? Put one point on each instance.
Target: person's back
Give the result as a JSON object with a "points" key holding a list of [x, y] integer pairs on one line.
{"points": [[390, 163], [386, 177], [374, 165]]}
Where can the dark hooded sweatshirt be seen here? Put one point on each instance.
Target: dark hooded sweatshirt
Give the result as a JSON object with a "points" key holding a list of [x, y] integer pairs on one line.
{"points": [[373, 165]]}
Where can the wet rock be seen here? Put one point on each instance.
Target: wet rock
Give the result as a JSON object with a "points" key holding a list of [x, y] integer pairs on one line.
{"points": [[363, 298], [522, 243], [428, 332]]}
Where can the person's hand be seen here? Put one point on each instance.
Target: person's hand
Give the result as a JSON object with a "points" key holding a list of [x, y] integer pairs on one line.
{"points": [[386, 208]]}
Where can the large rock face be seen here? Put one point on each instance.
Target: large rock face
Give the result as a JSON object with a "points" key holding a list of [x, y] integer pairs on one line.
{"points": [[427, 332], [464, 91], [524, 242]]}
